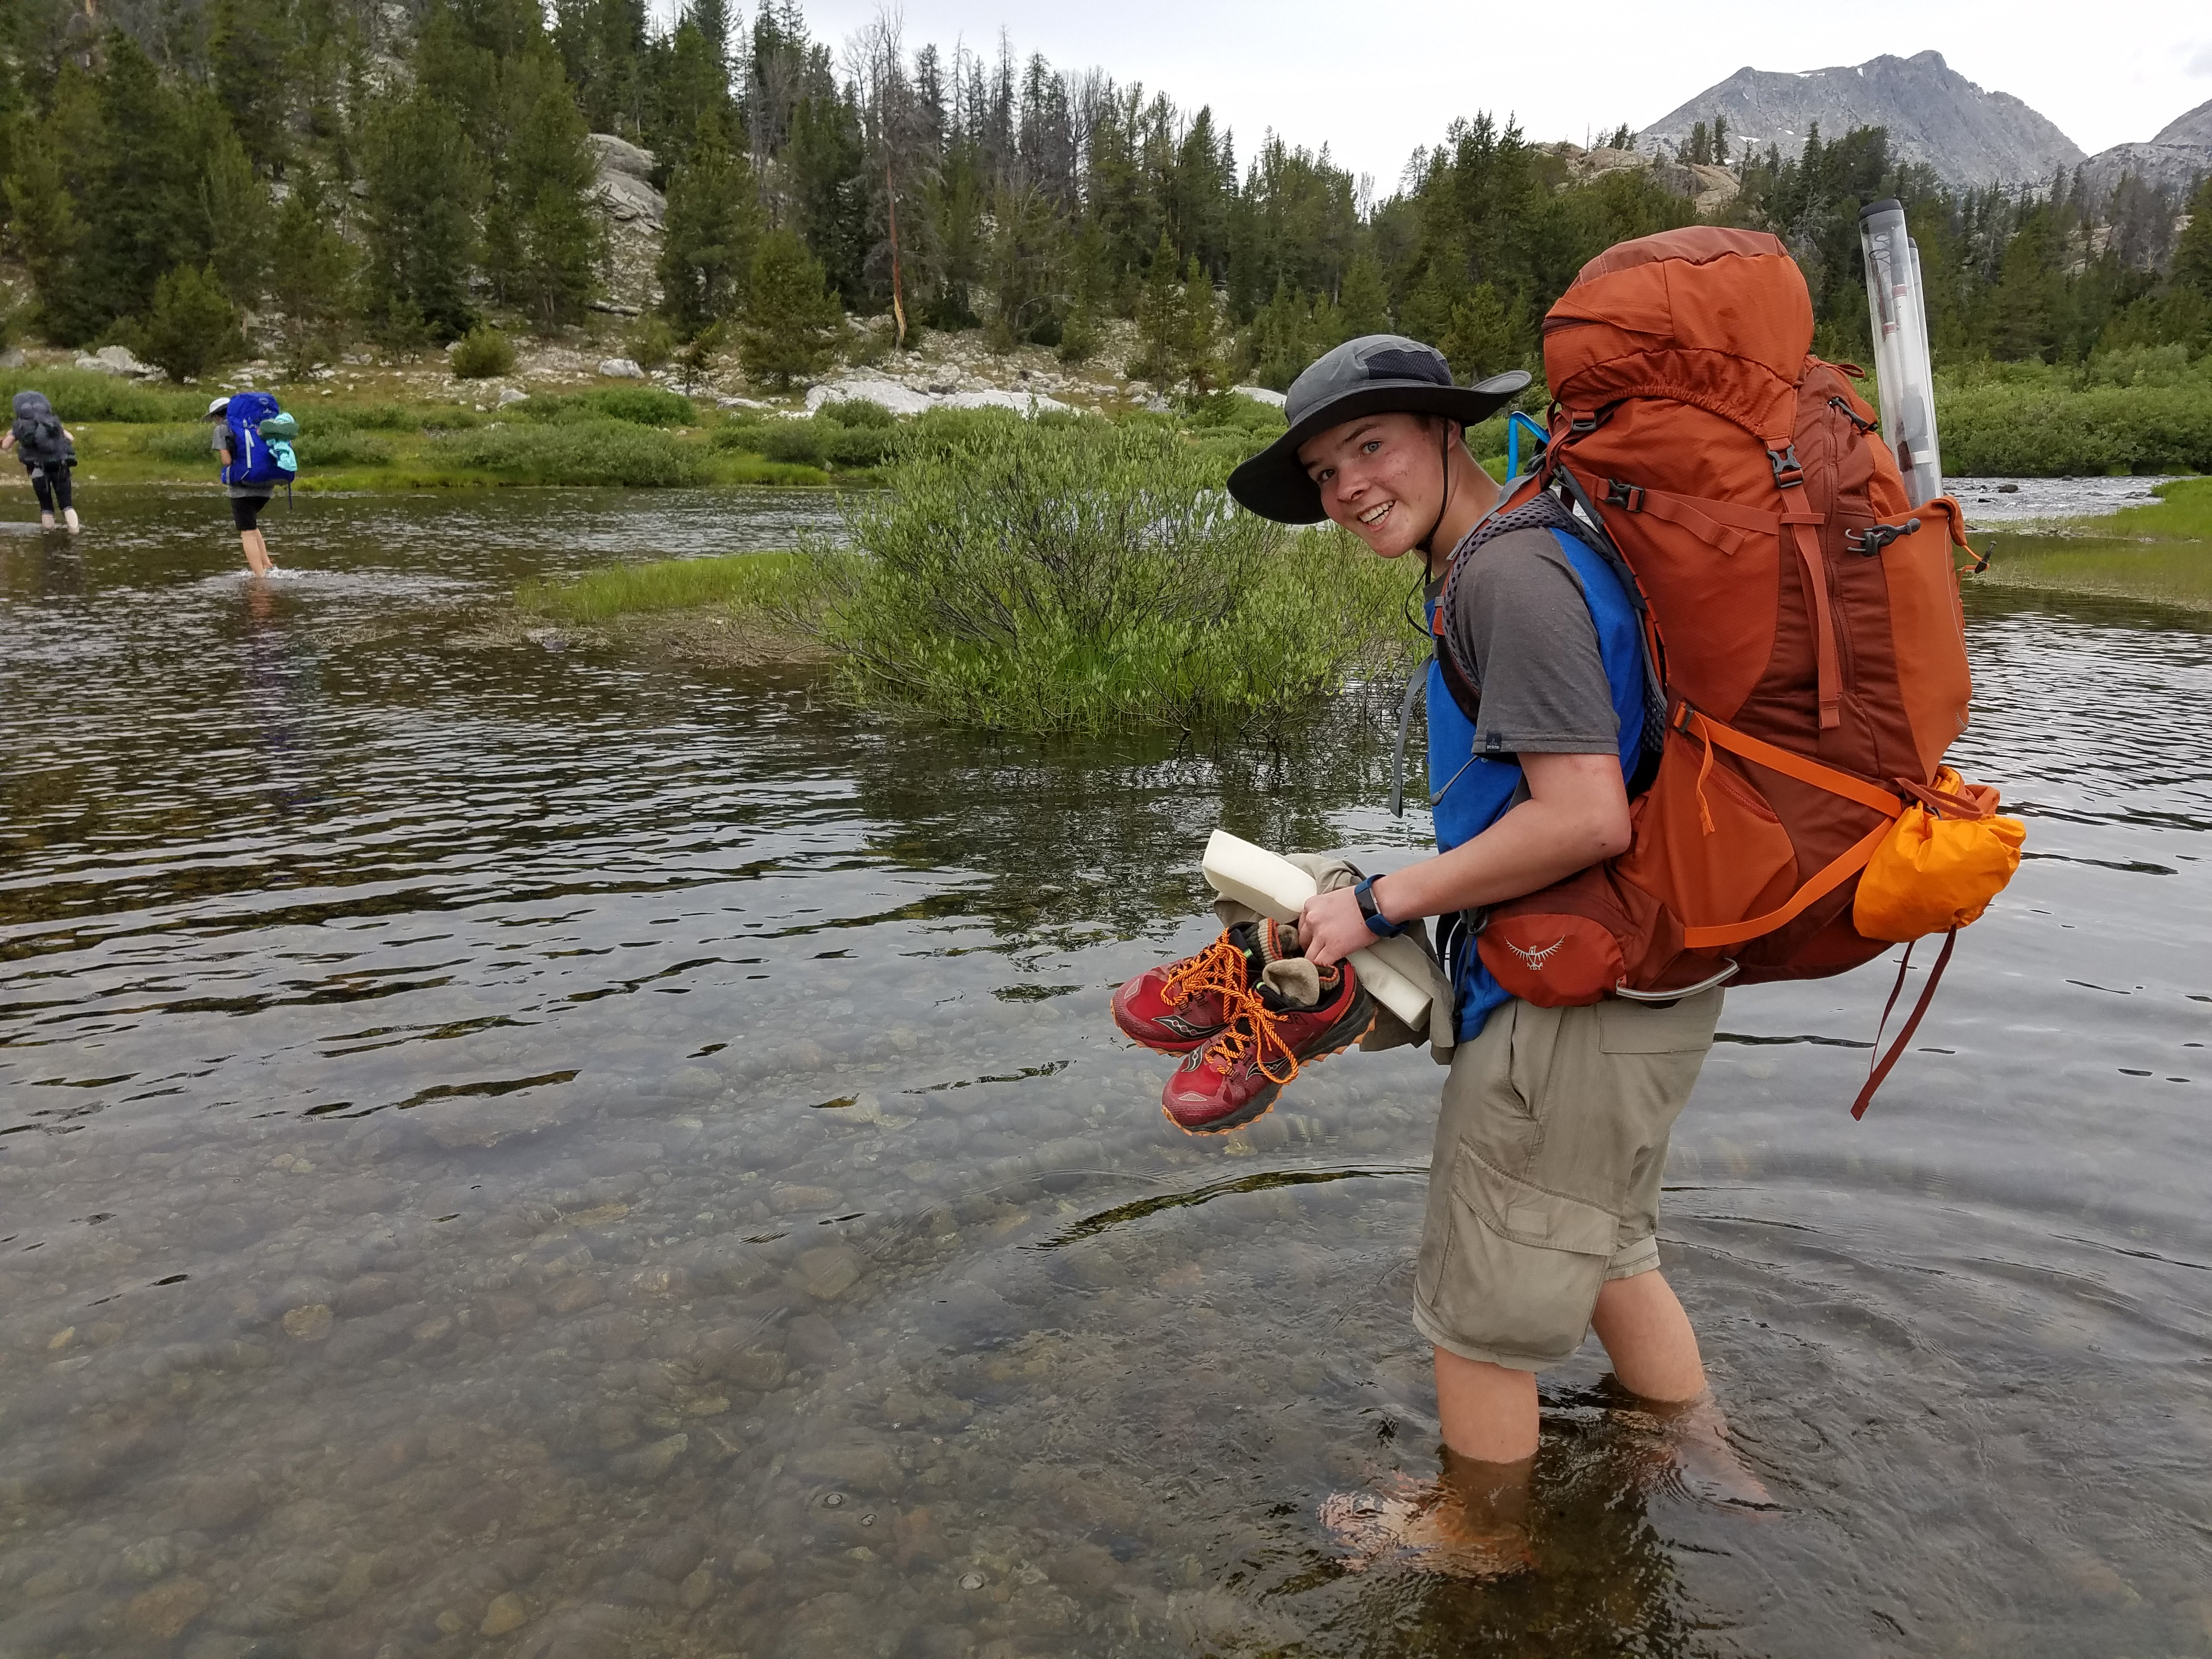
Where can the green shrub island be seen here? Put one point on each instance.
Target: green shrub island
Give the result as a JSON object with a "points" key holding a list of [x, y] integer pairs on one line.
{"points": [[1082, 575]]}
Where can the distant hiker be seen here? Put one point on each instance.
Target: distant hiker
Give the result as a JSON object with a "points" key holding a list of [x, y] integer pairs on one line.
{"points": [[47, 450], [255, 461]]}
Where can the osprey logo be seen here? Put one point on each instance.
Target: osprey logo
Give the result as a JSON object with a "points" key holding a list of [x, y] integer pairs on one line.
{"points": [[1536, 959]]}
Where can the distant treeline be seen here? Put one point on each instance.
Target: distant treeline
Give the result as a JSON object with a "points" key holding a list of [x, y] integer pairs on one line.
{"points": [[343, 169]]}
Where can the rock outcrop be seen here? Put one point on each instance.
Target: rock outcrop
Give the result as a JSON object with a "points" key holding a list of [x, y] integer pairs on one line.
{"points": [[636, 213], [1709, 188], [2171, 162], [1933, 115]]}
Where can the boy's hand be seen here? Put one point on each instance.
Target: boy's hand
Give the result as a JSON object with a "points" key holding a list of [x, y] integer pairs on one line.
{"points": [[1330, 927]]}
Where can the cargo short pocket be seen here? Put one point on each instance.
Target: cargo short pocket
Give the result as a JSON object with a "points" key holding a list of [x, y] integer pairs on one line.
{"points": [[1519, 1269]]}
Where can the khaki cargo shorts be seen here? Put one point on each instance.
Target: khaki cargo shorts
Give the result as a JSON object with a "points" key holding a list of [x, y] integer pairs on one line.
{"points": [[1545, 1179]]}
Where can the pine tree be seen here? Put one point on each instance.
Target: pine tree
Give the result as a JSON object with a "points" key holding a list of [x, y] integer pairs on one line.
{"points": [[1486, 337], [1363, 303], [709, 235], [552, 170], [792, 319], [44, 226], [309, 278], [2192, 253], [1162, 325], [246, 52], [424, 184], [1199, 365], [193, 326], [1027, 271], [237, 208], [141, 207]]}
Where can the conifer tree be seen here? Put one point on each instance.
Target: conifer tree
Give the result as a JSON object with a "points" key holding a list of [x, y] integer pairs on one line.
{"points": [[708, 237], [551, 170], [2192, 253], [310, 277], [141, 204], [1363, 303], [1199, 365], [193, 326], [237, 209], [424, 184], [44, 226], [246, 58], [1028, 274], [1162, 325], [1485, 337], [792, 318]]}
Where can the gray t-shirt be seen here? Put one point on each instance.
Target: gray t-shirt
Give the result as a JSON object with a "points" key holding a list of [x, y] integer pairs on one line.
{"points": [[220, 442], [1519, 623]]}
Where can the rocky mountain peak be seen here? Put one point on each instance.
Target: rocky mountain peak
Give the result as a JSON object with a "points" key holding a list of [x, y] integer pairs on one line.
{"points": [[1933, 115]]}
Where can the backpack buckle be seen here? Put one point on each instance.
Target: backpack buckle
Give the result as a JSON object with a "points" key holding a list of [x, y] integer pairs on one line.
{"points": [[1788, 470], [1618, 494]]}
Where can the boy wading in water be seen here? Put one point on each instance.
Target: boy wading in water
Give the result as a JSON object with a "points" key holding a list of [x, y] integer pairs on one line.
{"points": [[246, 500], [47, 450], [1544, 1189]]}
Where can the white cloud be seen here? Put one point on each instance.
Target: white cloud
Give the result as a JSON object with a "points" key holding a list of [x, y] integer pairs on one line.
{"points": [[2198, 62]]}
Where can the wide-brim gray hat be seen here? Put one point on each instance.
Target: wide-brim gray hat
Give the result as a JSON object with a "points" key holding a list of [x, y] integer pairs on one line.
{"points": [[1376, 374]]}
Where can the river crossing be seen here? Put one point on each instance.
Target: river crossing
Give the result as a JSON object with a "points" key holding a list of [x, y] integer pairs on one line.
{"points": [[509, 1151]]}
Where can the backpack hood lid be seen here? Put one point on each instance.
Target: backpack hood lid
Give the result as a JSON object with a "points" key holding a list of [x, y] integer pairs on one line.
{"points": [[33, 406], [1374, 374], [1704, 315]]}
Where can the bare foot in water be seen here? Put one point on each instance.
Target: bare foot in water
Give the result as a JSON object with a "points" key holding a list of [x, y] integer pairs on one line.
{"points": [[1425, 1528], [1693, 1453]]}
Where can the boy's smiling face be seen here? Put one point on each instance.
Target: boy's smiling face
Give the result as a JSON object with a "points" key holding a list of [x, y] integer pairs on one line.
{"points": [[1379, 476]]}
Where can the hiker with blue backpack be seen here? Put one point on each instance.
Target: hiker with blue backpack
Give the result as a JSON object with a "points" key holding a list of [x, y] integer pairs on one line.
{"points": [[253, 436], [47, 450]]}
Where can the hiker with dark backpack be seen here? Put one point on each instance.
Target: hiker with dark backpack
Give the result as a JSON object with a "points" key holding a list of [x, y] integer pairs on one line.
{"points": [[252, 435], [47, 450], [1693, 682]]}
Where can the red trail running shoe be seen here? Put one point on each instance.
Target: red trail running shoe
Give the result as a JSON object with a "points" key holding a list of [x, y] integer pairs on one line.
{"points": [[1175, 1007], [1236, 1075]]}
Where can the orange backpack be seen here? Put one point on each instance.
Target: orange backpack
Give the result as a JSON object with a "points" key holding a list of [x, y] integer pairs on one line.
{"points": [[1804, 623]]}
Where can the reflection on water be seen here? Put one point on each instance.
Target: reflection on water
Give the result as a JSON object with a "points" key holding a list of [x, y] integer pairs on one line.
{"points": [[505, 1151]]}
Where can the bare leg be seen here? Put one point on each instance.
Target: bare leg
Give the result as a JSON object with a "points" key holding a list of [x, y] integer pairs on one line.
{"points": [[45, 520], [1488, 1412], [68, 517], [1654, 1350], [257, 552], [1654, 1355]]}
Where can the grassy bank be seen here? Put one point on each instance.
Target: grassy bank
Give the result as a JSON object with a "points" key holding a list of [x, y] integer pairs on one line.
{"points": [[2161, 552], [628, 436], [2145, 410]]}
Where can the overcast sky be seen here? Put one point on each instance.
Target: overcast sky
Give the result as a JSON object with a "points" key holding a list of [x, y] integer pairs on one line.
{"points": [[1373, 81]]}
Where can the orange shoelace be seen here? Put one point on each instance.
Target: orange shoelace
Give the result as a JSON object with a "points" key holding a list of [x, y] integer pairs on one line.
{"points": [[1221, 969]]}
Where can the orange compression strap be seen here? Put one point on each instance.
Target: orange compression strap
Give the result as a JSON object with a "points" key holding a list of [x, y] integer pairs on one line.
{"points": [[1847, 865], [1803, 528], [1838, 871], [1789, 764]]}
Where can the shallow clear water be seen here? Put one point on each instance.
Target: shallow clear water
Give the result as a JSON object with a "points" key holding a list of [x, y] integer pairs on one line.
{"points": [[516, 1152], [2011, 500]]}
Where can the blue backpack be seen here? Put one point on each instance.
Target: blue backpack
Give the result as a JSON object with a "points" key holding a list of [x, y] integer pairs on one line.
{"points": [[255, 460]]}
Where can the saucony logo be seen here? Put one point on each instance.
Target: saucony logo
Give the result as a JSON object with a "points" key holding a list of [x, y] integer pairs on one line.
{"points": [[1536, 959]]}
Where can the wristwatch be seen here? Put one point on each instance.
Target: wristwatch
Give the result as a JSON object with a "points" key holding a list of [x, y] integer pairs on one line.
{"points": [[1377, 923]]}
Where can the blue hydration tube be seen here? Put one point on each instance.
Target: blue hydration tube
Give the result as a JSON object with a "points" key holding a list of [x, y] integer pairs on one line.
{"points": [[1514, 423]]}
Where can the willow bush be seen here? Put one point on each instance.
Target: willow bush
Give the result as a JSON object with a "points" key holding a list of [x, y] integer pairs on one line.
{"points": [[1078, 575]]}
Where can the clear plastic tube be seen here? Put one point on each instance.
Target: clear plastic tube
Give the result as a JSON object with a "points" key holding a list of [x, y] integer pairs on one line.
{"points": [[1898, 310]]}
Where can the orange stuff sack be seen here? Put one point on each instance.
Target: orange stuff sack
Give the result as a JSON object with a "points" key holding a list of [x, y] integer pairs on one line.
{"points": [[1949, 855]]}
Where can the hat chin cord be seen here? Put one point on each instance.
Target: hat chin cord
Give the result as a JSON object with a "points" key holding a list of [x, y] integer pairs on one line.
{"points": [[1425, 546]]}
